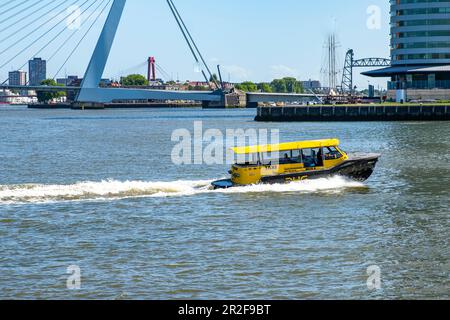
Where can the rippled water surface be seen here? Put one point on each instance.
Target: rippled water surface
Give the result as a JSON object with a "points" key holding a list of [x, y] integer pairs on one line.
{"points": [[98, 189]]}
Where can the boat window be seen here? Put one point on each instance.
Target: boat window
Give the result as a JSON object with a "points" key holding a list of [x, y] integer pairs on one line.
{"points": [[331, 153], [309, 158], [271, 158], [297, 156], [286, 157], [249, 159]]}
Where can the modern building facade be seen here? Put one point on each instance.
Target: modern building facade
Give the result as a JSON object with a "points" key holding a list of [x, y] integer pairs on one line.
{"points": [[17, 78], [420, 31], [420, 45], [38, 71]]}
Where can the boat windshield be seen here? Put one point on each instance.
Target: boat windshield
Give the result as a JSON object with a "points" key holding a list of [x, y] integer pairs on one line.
{"points": [[332, 153]]}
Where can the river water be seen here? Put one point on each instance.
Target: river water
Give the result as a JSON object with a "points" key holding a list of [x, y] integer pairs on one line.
{"points": [[97, 190]]}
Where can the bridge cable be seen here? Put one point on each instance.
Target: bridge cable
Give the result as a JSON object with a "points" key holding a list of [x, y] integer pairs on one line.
{"points": [[15, 7], [162, 69], [162, 75], [186, 37], [137, 67], [32, 22], [20, 12], [6, 4], [64, 29], [84, 36], [75, 32], [37, 39], [163, 72], [195, 45], [4, 9], [37, 28], [16, 23]]}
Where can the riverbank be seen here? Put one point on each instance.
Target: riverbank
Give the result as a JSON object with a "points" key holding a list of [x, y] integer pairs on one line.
{"points": [[376, 112]]}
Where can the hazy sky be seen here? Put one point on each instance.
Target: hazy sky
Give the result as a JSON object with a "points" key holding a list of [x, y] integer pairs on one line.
{"points": [[254, 40]]}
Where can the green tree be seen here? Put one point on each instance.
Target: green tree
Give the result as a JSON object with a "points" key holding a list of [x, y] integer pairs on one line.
{"points": [[287, 85], [201, 88], [134, 80], [46, 96], [265, 87], [292, 85], [197, 88], [279, 86], [214, 78], [247, 86]]}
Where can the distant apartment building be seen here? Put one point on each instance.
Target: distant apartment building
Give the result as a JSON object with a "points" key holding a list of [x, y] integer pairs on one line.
{"points": [[69, 81], [311, 84], [199, 84], [17, 78], [37, 71], [105, 83]]}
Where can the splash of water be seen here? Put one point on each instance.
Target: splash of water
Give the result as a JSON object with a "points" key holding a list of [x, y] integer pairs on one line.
{"points": [[329, 185], [113, 189]]}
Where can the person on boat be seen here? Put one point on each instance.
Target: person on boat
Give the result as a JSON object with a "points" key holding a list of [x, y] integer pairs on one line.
{"points": [[320, 158]]}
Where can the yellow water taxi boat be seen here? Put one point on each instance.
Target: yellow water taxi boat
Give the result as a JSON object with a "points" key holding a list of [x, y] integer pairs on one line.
{"points": [[297, 161]]}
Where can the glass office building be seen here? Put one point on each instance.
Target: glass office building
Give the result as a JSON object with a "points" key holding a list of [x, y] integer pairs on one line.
{"points": [[420, 32], [37, 71], [420, 45]]}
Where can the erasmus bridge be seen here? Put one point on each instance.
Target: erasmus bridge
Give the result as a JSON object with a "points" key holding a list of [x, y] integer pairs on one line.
{"points": [[90, 91]]}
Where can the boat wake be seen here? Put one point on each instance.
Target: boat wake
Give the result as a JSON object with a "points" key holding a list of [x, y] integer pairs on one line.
{"points": [[113, 190]]}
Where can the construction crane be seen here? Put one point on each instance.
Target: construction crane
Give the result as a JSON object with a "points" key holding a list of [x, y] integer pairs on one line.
{"points": [[350, 63]]}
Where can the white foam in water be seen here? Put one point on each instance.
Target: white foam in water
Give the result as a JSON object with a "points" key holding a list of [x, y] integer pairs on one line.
{"points": [[334, 184], [112, 189]]}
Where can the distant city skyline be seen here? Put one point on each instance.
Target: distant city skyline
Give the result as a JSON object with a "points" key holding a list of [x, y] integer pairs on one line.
{"points": [[251, 40]]}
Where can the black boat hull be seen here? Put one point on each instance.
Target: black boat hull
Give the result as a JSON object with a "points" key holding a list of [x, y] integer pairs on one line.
{"points": [[357, 168]]}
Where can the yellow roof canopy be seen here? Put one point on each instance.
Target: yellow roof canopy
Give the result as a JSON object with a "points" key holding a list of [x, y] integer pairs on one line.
{"points": [[287, 146]]}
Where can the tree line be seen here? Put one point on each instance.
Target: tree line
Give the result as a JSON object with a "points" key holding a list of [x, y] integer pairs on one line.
{"points": [[285, 85]]}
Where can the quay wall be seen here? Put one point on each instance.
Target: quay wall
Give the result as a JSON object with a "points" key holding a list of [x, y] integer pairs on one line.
{"points": [[355, 113]]}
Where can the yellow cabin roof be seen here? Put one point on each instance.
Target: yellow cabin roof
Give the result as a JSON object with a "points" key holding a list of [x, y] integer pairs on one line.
{"points": [[287, 146]]}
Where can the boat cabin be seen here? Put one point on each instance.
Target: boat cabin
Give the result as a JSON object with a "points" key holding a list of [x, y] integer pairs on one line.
{"points": [[285, 159]]}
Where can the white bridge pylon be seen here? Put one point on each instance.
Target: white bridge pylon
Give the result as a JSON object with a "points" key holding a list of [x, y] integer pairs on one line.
{"points": [[90, 90]]}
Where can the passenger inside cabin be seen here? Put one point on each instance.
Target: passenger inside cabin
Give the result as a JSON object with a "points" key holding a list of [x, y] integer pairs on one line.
{"points": [[297, 156], [319, 161], [308, 158]]}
